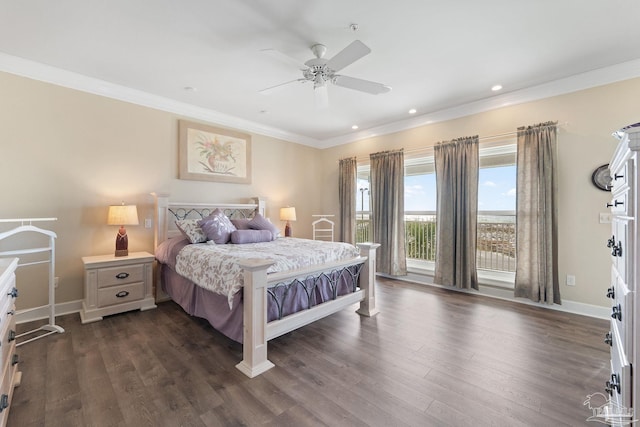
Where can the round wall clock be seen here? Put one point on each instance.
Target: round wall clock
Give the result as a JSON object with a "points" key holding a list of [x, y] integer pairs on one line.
{"points": [[601, 178]]}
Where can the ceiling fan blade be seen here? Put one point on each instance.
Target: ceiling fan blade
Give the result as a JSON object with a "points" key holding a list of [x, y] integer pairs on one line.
{"points": [[348, 55], [361, 85], [269, 90], [282, 57], [321, 97]]}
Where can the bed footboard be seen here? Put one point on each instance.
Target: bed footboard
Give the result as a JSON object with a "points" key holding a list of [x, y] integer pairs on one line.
{"points": [[256, 329]]}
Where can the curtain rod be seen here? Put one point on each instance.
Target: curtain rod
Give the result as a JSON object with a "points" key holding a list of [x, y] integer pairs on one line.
{"points": [[480, 139]]}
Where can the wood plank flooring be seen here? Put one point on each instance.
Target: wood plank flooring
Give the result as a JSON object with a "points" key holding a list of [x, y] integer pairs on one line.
{"points": [[430, 358]]}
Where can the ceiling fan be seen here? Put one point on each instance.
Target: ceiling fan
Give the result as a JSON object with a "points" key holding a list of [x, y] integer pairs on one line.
{"points": [[322, 71]]}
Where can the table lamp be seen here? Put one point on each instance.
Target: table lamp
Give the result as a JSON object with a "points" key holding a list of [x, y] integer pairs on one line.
{"points": [[122, 215], [287, 214]]}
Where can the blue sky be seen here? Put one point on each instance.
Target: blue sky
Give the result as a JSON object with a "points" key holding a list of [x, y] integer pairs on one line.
{"points": [[496, 191]]}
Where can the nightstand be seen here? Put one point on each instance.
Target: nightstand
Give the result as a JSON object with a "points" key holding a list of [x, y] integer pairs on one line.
{"points": [[117, 284]]}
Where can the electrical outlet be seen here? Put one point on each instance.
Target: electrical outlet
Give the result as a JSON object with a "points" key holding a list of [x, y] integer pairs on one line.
{"points": [[56, 281], [147, 223], [605, 218], [571, 280]]}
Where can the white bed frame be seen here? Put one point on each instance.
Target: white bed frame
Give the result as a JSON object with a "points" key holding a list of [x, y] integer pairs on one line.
{"points": [[256, 281]]}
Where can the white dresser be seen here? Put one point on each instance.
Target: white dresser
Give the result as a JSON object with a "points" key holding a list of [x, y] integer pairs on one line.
{"points": [[624, 244], [8, 358]]}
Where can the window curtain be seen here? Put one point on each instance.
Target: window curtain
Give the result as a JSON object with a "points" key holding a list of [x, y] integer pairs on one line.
{"points": [[348, 170], [387, 211], [537, 214], [457, 166]]}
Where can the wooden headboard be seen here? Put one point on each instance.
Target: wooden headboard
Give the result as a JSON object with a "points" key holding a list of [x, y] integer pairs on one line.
{"points": [[166, 213]]}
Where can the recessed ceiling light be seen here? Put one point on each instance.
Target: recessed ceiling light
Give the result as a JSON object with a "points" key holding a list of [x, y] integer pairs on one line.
{"points": [[412, 111], [496, 88], [354, 127]]}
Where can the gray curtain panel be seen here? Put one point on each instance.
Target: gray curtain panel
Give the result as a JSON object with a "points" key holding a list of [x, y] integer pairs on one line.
{"points": [[537, 215], [387, 211], [457, 165], [348, 170]]}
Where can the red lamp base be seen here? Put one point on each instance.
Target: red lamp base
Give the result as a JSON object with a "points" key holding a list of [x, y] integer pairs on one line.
{"points": [[122, 243]]}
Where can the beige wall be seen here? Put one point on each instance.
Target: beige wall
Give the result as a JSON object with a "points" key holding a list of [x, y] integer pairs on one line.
{"points": [[69, 154], [585, 143]]}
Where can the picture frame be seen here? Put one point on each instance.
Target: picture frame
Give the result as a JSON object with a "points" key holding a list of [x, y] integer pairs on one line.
{"points": [[209, 153]]}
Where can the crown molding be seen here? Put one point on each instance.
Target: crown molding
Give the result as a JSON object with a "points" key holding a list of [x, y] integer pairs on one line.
{"points": [[45, 73], [586, 80], [48, 74]]}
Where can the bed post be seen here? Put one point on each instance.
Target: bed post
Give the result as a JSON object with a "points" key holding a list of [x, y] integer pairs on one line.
{"points": [[368, 279], [254, 346], [262, 205], [160, 218], [161, 204]]}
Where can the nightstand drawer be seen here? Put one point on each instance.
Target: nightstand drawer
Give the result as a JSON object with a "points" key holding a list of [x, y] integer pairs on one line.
{"points": [[120, 294], [114, 276]]}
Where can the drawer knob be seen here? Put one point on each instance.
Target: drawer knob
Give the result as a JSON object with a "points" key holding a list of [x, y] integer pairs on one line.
{"points": [[12, 335], [11, 312], [612, 385], [616, 312], [617, 249], [122, 275], [13, 293], [611, 242], [4, 402], [608, 339], [15, 360], [122, 294], [611, 293]]}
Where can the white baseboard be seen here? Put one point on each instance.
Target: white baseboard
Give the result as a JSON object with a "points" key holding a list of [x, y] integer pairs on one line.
{"points": [[40, 313], [505, 293]]}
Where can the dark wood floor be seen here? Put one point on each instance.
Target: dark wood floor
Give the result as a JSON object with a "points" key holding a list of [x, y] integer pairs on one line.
{"points": [[430, 358]]}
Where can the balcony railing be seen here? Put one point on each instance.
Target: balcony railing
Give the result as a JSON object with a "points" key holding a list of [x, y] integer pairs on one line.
{"points": [[496, 238]]}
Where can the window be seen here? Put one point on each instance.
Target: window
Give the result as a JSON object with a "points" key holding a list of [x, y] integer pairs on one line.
{"points": [[496, 246], [496, 209]]}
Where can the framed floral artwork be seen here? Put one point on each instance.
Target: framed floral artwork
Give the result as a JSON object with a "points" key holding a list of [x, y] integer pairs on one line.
{"points": [[209, 153]]}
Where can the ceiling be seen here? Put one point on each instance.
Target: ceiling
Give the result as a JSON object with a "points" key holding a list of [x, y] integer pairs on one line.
{"points": [[440, 57]]}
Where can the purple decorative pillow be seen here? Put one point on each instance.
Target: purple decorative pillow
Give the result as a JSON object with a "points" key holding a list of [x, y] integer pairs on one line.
{"points": [[261, 223], [241, 224], [251, 236], [217, 227]]}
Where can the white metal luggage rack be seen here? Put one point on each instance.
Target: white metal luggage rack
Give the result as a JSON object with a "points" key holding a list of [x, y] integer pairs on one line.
{"points": [[323, 228], [50, 250]]}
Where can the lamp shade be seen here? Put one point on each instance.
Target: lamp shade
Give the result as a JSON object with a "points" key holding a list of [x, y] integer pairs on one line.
{"points": [[287, 214], [123, 215]]}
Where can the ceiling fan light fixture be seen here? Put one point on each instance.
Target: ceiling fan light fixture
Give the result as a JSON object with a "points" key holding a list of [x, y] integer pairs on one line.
{"points": [[319, 81]]}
